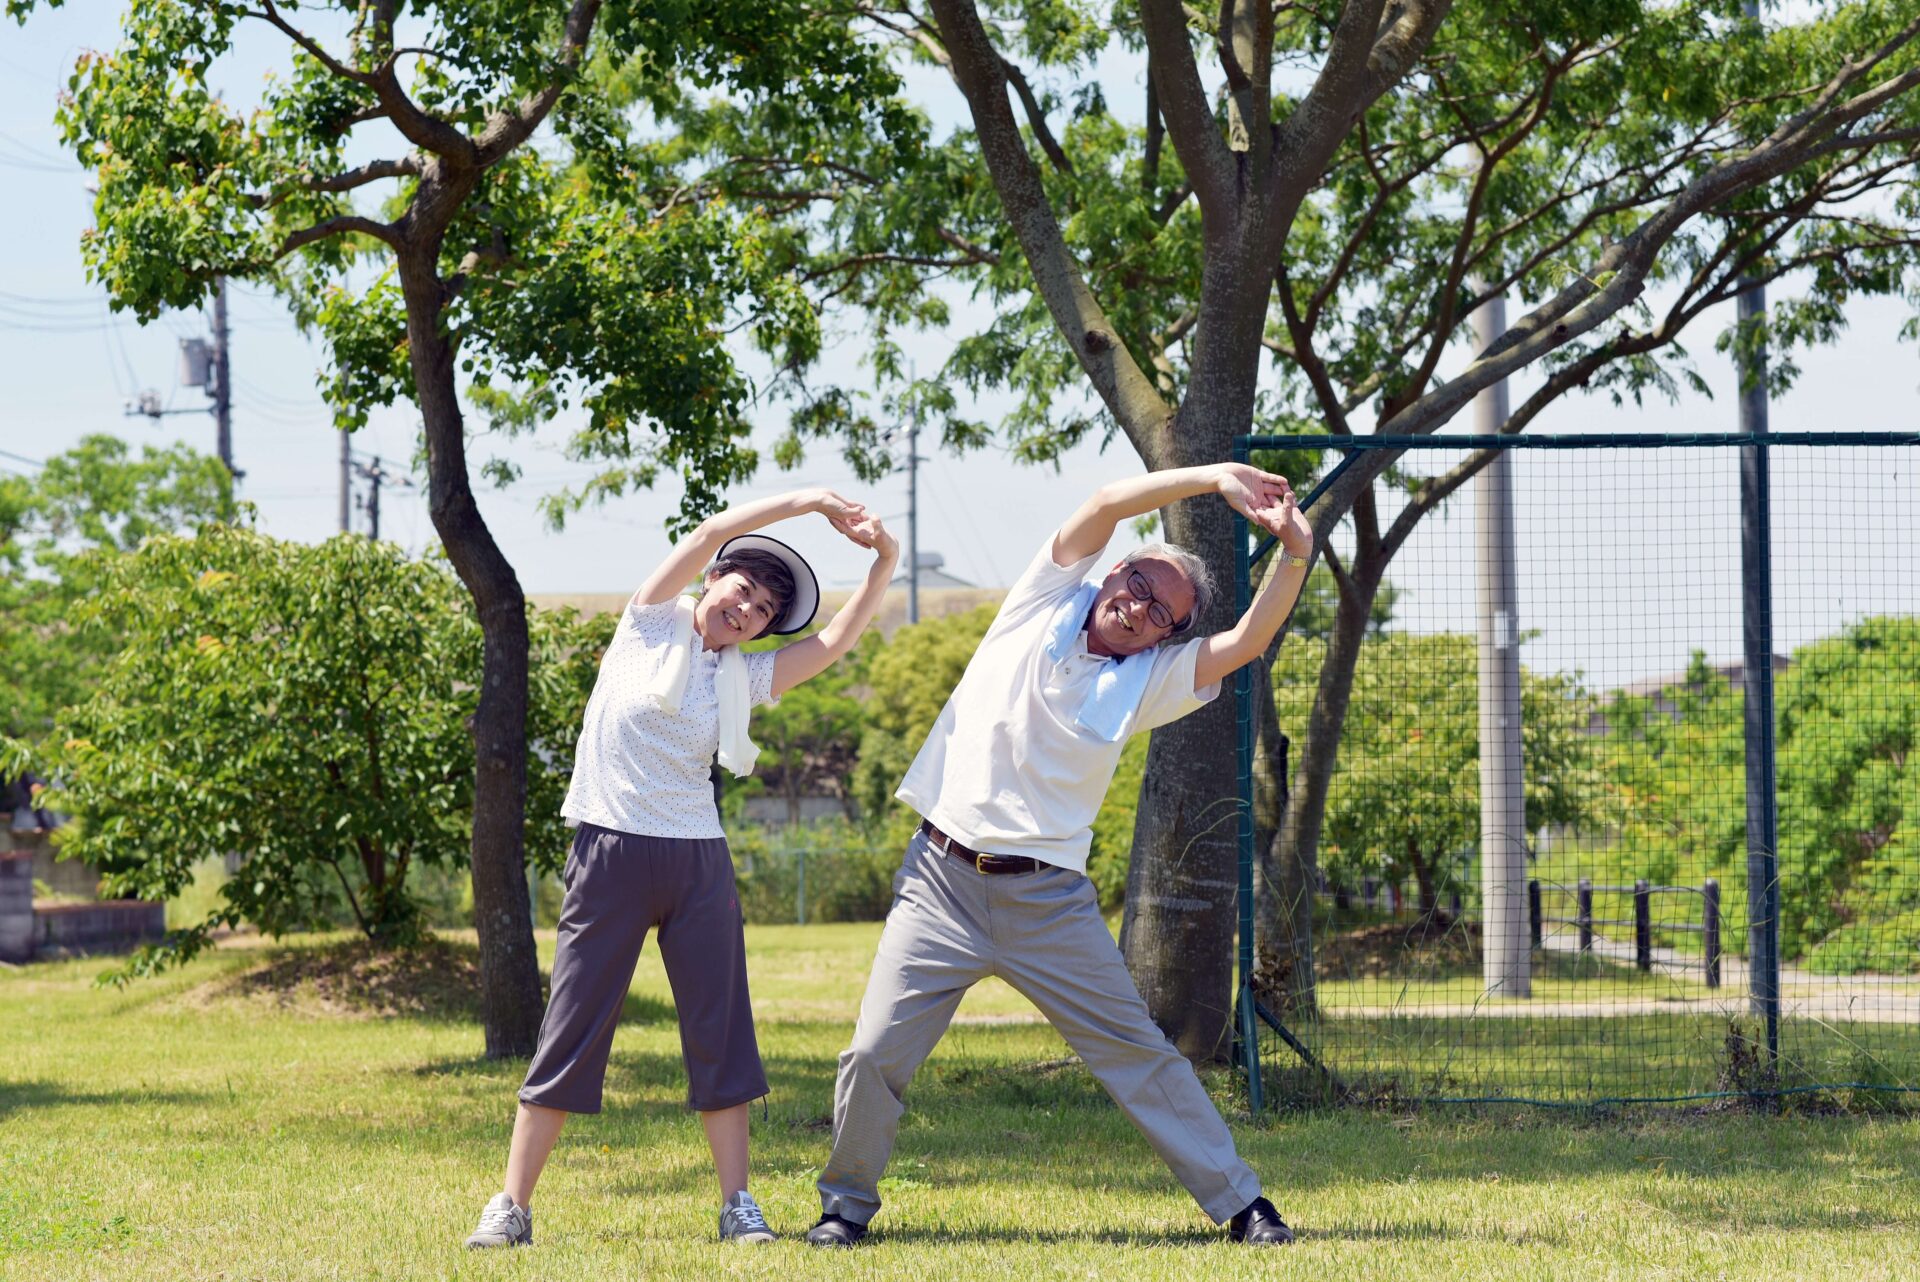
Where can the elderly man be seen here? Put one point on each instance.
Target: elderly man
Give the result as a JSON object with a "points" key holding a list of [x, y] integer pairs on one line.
{"points": [[1009, 783]]}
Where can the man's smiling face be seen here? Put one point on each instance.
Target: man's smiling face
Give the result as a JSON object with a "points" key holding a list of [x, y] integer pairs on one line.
{"points": [[1122, 623]]}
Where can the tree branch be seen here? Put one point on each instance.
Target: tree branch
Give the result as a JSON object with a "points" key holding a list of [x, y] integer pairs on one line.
{"points": [[1470, 222], [270, 13], [1156, 131], [857, 261], [372, 171], [1619, 275], [340, 226], [1363, 61], [1184, 106], [1308, 359], [1171, 205], [1237, 79], [508, 129], [978, 253], [1125, 389], [1036, 118]]}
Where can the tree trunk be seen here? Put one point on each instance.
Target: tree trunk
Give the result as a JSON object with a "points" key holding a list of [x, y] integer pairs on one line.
{"points": [[1424, 878], [1283, 885], [1182, 889], [1286, 958], [509, 969], [1182, 902]]}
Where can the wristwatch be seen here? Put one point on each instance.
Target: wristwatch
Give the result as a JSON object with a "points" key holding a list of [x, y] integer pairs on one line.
{"points": [[1288, 558]]}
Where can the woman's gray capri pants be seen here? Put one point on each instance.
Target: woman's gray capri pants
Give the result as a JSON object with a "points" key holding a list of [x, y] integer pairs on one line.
{"points": [[618, 886]]}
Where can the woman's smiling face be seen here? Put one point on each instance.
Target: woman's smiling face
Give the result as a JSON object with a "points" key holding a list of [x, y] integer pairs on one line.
{"points": [[733, 609]]}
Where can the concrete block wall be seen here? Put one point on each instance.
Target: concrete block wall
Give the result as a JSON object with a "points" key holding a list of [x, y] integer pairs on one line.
{"points": [[17, 929], [112, 925]]}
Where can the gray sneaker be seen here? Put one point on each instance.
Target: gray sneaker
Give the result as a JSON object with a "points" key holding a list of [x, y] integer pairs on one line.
{"points": [[741, 1221], [502, 1224]]}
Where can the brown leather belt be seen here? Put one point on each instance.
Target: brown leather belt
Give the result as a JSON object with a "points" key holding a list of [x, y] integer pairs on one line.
{"points": [[982, 862]]}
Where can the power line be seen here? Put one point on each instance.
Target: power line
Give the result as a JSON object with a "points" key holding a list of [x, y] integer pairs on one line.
{"points": [[260, 393], [967, 516], [33, 152], [75, 300], [21, 458]]}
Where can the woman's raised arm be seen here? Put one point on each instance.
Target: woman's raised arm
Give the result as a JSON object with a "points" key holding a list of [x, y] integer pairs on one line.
{"points": [[815, 654], [691, 554]]}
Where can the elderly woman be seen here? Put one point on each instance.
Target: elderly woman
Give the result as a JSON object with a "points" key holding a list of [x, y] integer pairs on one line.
{"points": [[649, 851]]}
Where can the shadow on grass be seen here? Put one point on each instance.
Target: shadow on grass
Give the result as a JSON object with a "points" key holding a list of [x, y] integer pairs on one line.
{"points": [[913, 1235], [965, 1114], [15, 1096]]}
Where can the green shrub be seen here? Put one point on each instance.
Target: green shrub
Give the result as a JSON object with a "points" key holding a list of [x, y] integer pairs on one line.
{"points": [[848, 869]]}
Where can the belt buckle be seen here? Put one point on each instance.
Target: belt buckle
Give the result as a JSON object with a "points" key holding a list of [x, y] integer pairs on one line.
{"points": [[978, 866]]}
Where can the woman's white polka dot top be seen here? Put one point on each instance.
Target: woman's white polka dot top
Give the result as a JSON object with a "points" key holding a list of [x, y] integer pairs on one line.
{"points": [[635, 768]]}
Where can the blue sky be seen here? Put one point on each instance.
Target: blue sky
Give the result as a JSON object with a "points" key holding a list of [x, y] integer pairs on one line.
{"points": [[1625, 565]]}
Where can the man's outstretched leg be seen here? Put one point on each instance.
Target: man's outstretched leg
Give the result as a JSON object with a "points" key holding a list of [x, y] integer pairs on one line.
{"points": [[934, 948], [1056, 951]]}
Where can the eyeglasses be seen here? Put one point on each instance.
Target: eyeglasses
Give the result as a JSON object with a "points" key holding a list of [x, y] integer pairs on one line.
{"points": [[1157, 613]]}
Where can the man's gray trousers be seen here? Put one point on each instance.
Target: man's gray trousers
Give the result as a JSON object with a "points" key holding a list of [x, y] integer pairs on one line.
{"points": [[1042, 933]]}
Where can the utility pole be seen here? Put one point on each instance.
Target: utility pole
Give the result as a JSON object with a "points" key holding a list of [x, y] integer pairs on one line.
{"points": [[1506, 968], [375, 476], [913, 496], [208, 366], [346, 482], [222, 388], [913, 512], [373, 502]]}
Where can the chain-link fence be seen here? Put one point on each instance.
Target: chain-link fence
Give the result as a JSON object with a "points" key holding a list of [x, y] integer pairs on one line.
{"points": [[829, 870], [1544, 868]]}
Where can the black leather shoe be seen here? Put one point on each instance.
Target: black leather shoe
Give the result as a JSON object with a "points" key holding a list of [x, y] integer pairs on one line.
{"points": [[834, 1231], [1259, 1224]]}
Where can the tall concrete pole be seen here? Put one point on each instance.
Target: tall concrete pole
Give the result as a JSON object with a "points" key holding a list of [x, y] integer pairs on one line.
{"points": [[223, 383], [374, 477], [346, 482], [913, 510], [1506, 935]]}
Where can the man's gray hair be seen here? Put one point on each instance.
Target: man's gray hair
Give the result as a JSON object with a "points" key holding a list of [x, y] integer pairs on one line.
{"points": [[1195, 570]]}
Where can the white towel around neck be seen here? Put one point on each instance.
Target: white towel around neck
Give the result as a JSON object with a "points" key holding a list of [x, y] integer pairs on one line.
{"points": [[669, 686]]}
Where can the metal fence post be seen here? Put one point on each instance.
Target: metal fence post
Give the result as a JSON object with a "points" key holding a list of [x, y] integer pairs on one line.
{"points": [[1533, 908], [1710, 928], [1642, 925], [1247, 1026], [1585, 914]]}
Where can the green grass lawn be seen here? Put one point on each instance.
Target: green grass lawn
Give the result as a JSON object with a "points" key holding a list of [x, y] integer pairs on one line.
{"points": [[201, 1126]]}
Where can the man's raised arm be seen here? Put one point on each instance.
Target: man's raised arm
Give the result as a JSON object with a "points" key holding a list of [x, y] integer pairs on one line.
{"points": [[1092, 524], [1224, 653]]}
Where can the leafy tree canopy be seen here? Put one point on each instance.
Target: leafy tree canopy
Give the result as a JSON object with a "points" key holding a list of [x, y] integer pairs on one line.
{"points": [[1406, 792], [98, 497], [303, 706], [567, 279], [1849, 718]]}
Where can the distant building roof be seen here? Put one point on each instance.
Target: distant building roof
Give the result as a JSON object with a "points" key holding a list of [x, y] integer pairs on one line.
{"points": [[932, 575], [1655, 690]]}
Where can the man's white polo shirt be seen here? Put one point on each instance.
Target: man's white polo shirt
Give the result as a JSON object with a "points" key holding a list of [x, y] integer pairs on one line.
{"points": [[1007, 770]]}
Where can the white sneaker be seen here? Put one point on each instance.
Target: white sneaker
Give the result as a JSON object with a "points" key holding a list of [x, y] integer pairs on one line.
{"points": [[502, 1224], [741, 1221]]}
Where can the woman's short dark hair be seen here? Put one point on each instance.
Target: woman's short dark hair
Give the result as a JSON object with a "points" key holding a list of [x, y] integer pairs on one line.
{"points": [[764, 569]]}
